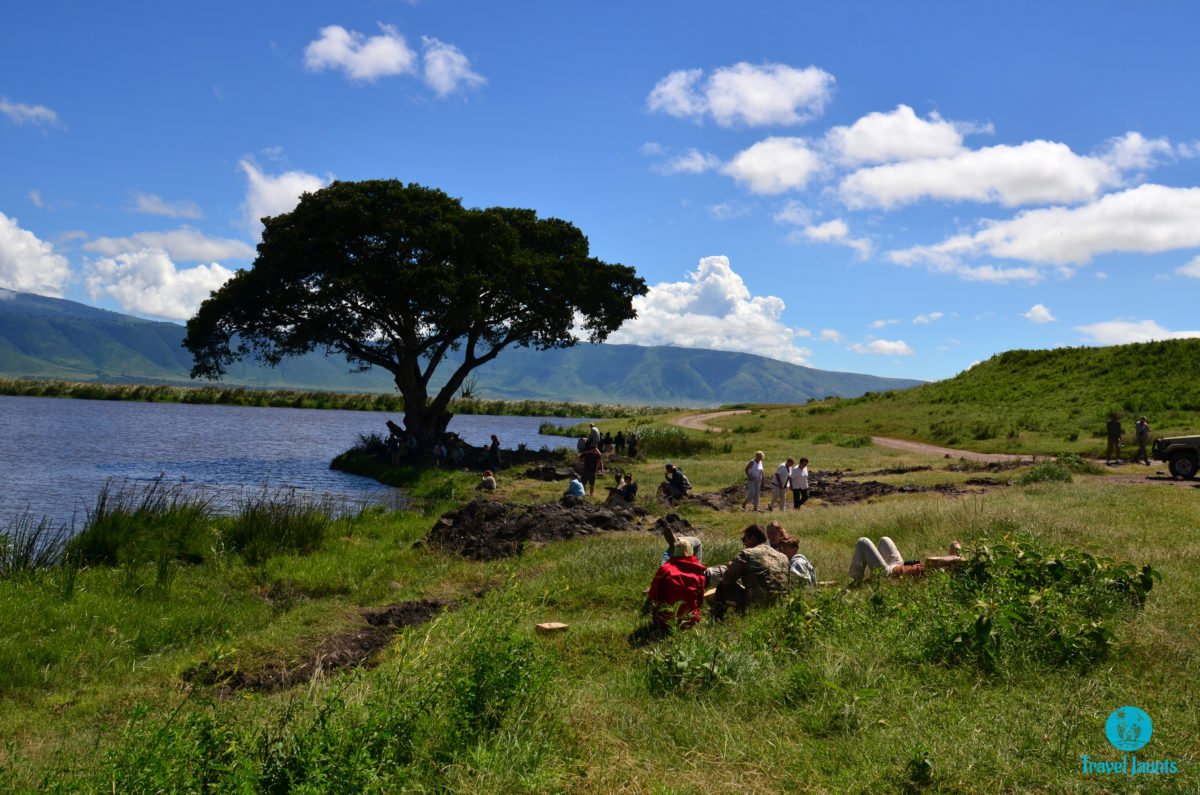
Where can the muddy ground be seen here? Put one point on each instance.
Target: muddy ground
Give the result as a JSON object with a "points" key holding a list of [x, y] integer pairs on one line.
{"points": [[352, 648], [834, 487], [485, 529]]}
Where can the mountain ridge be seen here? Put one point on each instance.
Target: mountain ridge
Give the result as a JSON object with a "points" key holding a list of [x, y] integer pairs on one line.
{"points": [[54, 338]]}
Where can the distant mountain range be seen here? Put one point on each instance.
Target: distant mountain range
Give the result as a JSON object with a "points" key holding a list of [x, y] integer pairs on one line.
{"points": [[52, 338]]}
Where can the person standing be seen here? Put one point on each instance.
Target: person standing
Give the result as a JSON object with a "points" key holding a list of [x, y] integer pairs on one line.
{"points": [[619, 443], [592, 461], [1141, 432], [799, 483], [779, 482], [754, 479], [1113, 453], [594, 436], [493, 453]]}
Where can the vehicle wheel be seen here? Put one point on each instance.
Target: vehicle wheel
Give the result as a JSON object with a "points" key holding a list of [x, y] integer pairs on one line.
{"points": [[1183, 465]]}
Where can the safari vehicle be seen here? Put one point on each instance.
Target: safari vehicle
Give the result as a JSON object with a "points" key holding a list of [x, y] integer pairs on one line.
{"points": [[1182, 454]]}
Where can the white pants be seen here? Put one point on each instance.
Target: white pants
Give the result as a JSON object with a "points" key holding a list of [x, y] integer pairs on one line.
{"points": [[867, 555]]}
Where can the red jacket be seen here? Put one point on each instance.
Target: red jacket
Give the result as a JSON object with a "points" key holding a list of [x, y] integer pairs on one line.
{"points": [[679, 582]]}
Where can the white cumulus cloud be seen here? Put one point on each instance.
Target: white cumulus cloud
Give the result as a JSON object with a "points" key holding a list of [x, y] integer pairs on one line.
{"points": [[897, 135], [745, 94], [1121, 332], [713, 309], [1191, 269], [883, 348], [693, 161], [29, 264], [37, 115], [447, 70], [927, 318], [1035, 172], [883, 323], [830, 335], [774, 165], [1039, 314], [185, 243], [1134, 152], [358, 56], [1146, 219], [268, 195], [836, 231], [147, 282], [152, 204]]}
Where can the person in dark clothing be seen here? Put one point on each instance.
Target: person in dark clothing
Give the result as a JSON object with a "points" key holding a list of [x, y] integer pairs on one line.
{"points": [[619, 443], [1113, 453], [493, 453], [591, 461], [675, 484], [633, 445]]}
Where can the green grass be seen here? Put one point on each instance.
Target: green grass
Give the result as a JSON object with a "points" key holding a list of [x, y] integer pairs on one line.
{"points": [[994, 682]]}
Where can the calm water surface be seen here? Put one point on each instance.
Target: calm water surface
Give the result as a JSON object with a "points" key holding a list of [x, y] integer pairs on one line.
{"points": [[56, 454]]}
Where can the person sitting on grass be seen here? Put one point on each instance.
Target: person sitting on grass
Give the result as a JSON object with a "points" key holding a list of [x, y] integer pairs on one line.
{"points": [[798, 566], [887, 557], [675, 484], [757, 576], [677, 591], [487, 482], [628, 488], [672, 539], [574, 488]]}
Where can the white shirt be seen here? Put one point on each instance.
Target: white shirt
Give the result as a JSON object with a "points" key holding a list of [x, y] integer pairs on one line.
{"points": [[754, 470], [800, 478], [781, 474]]}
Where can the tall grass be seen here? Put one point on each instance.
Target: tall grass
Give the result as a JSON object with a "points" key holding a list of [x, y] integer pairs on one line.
{"points": [[29, 545], [269, 523], [301, 399], [132, 523]]}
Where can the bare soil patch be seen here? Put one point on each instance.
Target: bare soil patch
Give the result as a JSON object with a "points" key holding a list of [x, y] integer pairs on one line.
{"points": [[836, 487], [350, 649], [489, 529]]}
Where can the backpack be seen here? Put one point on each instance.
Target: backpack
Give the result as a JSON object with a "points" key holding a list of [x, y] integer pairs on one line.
{"points": [[687, 484]]}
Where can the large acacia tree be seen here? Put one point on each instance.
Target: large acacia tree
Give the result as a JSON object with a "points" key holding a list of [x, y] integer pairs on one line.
{"points": [[400, 277]]}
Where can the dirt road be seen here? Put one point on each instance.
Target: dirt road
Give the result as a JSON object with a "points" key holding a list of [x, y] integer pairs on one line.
{"points": [[699, 422]]}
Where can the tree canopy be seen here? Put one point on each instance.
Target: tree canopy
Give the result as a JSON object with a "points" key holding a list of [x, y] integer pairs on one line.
{"points": [[402, 276]]}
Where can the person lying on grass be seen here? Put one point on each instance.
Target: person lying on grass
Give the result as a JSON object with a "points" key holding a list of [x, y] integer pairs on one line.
{"points": [[677, 591], [757, 576], [886, 556]]}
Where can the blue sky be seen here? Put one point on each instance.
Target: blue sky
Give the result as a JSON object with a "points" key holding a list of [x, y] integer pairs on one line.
{"points": [[901, 189]]}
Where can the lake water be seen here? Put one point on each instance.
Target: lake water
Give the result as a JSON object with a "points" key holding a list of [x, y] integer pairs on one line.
{"points": [[56, 454]]}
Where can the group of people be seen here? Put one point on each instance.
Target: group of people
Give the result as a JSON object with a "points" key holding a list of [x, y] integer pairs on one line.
{"points": [[1141, 433], [608, 444], [768, 567], [789, 475]]}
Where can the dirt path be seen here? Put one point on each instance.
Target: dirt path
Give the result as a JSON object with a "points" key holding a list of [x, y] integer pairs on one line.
{"points": [[946, 452], [699, 422]]}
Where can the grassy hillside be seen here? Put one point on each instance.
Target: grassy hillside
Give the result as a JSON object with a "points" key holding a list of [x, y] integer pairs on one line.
{"points": [[1031, 401]]}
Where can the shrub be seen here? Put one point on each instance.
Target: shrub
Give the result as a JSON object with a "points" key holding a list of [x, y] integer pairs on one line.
{"points": [[690, 662], [1019, 602], [675, 442], [842, 440]]}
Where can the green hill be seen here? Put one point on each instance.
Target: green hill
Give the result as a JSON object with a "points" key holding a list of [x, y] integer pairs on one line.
{"points": [[1036, 401], [52, 338]]}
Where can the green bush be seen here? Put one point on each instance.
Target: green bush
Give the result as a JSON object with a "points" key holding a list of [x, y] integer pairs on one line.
{"points": [[30, 545], [693, 661], [676, 442], [1052, 472]]}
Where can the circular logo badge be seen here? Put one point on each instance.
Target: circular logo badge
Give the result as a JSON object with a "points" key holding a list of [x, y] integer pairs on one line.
{"points": [[1128, 728]]}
